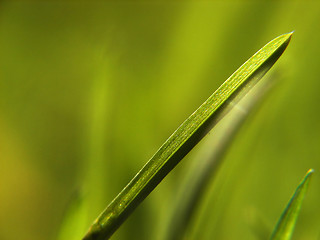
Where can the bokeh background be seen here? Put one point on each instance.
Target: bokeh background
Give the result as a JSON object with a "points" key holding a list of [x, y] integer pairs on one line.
{"points": [[90, 90]]}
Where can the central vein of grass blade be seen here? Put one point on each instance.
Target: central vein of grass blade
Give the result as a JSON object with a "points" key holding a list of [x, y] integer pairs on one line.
{"points": [[190, 132]]}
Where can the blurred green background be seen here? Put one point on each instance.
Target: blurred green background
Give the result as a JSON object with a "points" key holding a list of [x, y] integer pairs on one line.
{"points": [[90, 90]]}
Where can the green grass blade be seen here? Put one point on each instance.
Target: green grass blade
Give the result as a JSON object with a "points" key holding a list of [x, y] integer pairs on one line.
{"points": [[190, 132], [75, 222], [286, 223]]}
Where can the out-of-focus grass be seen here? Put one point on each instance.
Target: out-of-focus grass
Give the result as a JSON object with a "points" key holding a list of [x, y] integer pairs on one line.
{"points": [[285, 226], [60, 60]]}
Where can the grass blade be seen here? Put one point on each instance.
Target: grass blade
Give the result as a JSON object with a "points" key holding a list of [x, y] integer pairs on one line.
{"points": [[75, 222], [190, 132], [286, 223]]}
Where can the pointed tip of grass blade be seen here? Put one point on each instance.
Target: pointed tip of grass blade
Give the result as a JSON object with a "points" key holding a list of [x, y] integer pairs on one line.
{"points": [[286, 223], [284, 38], [289, 35], [310, 171]]}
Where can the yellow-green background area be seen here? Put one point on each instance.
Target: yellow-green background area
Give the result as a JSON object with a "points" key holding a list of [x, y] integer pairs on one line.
{"points": [[90, 90]]}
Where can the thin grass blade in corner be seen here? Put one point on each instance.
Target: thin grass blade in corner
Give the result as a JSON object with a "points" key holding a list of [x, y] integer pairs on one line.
{"points": [[74, 222], [286, 223], [190, 132]]}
